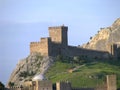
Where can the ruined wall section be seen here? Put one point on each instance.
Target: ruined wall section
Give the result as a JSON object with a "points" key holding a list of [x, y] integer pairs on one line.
{"points": [[42, 47]]}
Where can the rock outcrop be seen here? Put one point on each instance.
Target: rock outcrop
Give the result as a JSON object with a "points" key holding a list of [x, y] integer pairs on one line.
{"points": [[27, 68], [104, 37]]}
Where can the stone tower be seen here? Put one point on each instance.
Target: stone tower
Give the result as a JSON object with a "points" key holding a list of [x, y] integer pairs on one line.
{"points": [[59, 35]]}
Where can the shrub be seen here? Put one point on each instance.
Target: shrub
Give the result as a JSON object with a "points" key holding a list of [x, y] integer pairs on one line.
{"points": [[59, 58], [90, 37], [24, 74], [1, 85], [11, 84]]}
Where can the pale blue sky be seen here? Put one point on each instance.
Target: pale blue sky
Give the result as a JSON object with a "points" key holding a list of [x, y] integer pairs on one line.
{"points": [[23, 21]]}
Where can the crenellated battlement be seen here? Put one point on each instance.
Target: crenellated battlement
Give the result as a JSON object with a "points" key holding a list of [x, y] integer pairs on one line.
{"points": [[58, 27], [41, 47], [34, 42], [45, 39]]}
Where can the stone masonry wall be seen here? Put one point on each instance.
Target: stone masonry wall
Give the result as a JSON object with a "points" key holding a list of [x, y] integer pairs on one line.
{"points": [[63, 86], [75, 51], [59, 35], [111, 82], [43, 85], [40, 47]]}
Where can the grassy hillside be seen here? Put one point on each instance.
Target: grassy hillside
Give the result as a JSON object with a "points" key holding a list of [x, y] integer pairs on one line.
{"points": [[88, 74]]}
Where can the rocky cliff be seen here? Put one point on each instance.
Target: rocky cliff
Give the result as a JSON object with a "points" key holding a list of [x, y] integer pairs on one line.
{"points": [[27, 68], [104, 37]]}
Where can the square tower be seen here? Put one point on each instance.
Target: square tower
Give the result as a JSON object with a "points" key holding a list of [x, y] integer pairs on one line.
{"points": [[59, 35]]}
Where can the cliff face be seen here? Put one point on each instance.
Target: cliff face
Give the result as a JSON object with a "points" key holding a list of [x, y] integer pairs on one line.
{"points": [[27, 68], [104, 37]]}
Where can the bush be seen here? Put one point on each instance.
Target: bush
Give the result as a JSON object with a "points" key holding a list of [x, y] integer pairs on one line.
{"points": [[90, 37], [80, 59], [1, 85], [59, 58], [11, 84], [24, 74]]}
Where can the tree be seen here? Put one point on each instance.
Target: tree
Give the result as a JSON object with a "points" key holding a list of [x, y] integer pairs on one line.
{"points": [[90, 37], [11, 84], [1, 85]]}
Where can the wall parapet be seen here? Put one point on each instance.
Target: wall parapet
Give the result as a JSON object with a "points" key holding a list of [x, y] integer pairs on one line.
{"points": [[57, 27], [34, 42]]}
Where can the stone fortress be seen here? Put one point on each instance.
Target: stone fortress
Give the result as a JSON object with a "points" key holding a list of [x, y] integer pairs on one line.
{"points": [[57, 44]]}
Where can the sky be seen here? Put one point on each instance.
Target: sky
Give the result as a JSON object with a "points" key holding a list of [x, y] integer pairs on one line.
{"points": [[24, 21]]}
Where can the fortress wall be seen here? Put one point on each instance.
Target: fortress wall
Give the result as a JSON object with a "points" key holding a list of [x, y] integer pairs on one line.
{"points": [[43, 85], [40, 47], [64, 36], [63, 86], [55, 49], [75, 51]]}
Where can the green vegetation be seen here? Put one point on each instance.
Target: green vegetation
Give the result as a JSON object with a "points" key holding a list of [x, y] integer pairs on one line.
{"points": [[26, 74], [84, 74], [1, 85], [11, 84]]}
